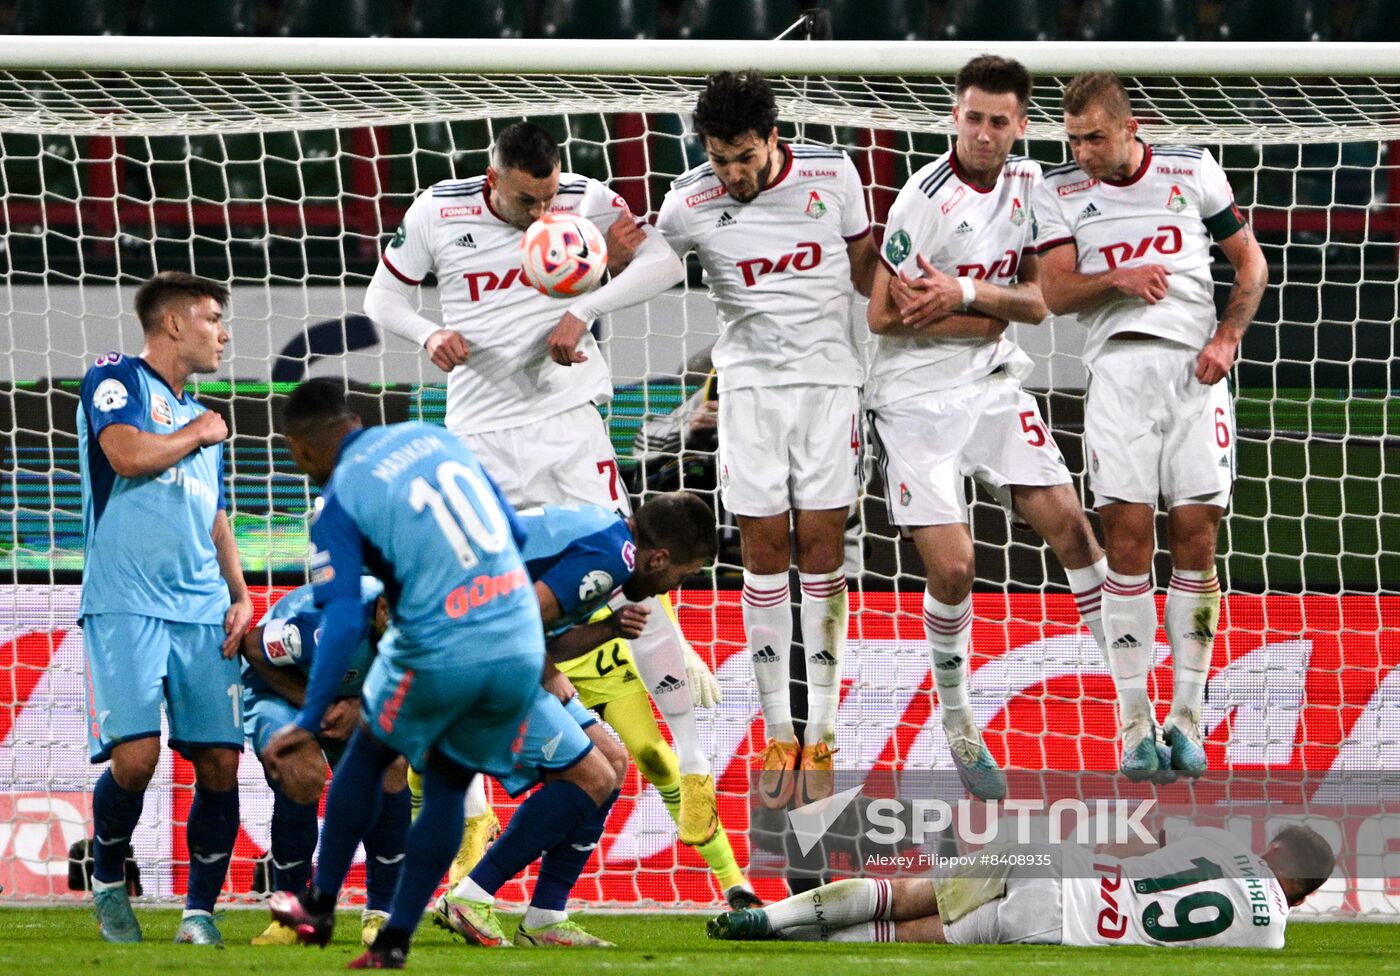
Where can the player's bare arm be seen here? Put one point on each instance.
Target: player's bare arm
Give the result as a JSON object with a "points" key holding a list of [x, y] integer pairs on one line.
{"points": [[626, 622], [1068, 291], [240, 611], [287, 683], [136, 453], [563, 340], [1022, 301], [891, 297], [624, 236], [1251, 278], [864, 260]]}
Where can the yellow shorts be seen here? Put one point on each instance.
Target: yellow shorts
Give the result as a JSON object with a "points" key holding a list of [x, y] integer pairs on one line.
{"points": [[604, 674]]}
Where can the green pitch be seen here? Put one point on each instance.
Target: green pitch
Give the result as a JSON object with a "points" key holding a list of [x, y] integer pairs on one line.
{"points": [[64, 942]]}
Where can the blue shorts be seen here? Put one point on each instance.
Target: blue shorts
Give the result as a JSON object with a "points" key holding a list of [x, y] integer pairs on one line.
{"points": [[473, 715], [554, 741], [264, 713], [133, 661]]}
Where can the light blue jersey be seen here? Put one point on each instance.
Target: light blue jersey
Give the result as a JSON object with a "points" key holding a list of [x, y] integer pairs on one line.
{"points": [[583, 553], [411, 505], [296, 610], [147, 548]]}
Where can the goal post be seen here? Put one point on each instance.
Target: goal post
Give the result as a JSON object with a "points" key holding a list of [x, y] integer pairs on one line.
{"points": [[284, 165]]}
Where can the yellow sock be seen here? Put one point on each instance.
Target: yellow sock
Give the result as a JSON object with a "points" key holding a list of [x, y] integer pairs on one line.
{"points": [[415, 792], [631, 717]]}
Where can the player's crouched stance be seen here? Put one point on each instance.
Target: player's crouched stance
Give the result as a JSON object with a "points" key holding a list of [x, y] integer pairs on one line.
{"points": [[278, 654], [1205, 890]]}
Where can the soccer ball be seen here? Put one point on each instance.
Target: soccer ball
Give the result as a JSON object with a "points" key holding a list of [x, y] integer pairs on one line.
{"points": [[563, 255]]}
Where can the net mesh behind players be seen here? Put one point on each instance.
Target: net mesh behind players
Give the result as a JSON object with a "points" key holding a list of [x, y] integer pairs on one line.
{"points": [[289, 183]]}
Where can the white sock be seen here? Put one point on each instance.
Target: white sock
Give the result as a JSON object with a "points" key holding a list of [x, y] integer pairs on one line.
{"points": [[476, 797], [834, 905], [860, 932], [1130, 628], [659, 656], [107, 885], [1087, 585], [768, 630], [824, 617], [1192, 616], [194, 913], [470, 890], [948, 627], [538, 918]]}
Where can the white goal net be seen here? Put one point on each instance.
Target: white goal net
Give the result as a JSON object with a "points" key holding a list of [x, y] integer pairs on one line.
{"points": [[285, 166]]}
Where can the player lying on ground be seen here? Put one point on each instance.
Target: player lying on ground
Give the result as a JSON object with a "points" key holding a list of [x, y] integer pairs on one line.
{"points": [[1207, 889], [525, 376], [164, 603], [278, 654], [782, 233], [458, 671], [1124, 237], [944, 391], [580, 558]]}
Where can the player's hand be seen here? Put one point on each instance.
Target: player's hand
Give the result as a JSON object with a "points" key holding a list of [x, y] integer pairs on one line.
{"points": [[557, 683], [341, 719], [1145, 281], [705, 418], [284, 745], [630, 620], [208, 428], [623, 238], [236, 622], [926, 300], [704, 689], [447, 349], [1217, 358], [563, 341]]}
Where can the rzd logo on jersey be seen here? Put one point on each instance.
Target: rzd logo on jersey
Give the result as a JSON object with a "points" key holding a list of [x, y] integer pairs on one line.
{"points": [[1167, 241], [1004, 268], [807, 256], [479, 282]]}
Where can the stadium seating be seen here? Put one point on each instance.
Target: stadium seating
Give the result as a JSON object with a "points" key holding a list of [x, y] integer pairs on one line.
{"points": [[741, 20], [467, 18], [335, 18], [1011, 20], [1137, 20], [1374, 20], [1277, 20], [70, 17], [227, 18], [878, 20], [602, 19]]}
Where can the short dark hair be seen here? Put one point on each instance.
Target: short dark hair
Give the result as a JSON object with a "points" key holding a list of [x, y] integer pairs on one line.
{"points": [[527, 147], [680, 522], [314, 404], [732, 104], [1097, 86], [152, 296], [1303, 860], [997, 76]]}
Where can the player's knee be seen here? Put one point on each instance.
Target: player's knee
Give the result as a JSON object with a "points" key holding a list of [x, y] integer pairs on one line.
{"points": [[657, 763], [396, 776], [595, 775], [950, 576], [134, 763], [217, 769]]}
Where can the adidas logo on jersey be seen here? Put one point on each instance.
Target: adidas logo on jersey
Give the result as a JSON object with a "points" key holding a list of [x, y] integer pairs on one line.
{"points": [[766, 655], [668, 683], [1089, 211], [1225, 461], [1125, 642], [465, 241], [963, 228], [823, 657], [725, 220]]}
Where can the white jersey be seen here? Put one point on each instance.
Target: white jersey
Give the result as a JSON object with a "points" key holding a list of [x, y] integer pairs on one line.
{"points": [[1166, 213], [962, 229], [777, 268], [1207, 889], [509, 379]]}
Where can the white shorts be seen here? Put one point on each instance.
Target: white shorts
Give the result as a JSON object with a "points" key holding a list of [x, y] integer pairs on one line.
{"points": [[990, 430], [560, 460], [789, 447], [1030, 913], [1152, 429]]}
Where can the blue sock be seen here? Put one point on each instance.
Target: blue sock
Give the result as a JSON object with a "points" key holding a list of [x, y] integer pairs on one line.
{"points": [[384, 850], [432, 843], [542, 821], [564, 862], [294, 830], [114, 815], [351, 807], [210, 835]]}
